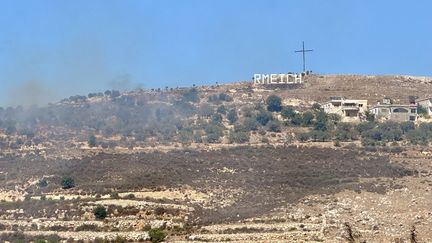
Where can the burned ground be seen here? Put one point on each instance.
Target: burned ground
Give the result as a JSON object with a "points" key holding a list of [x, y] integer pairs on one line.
{"points": [[257, 179]]}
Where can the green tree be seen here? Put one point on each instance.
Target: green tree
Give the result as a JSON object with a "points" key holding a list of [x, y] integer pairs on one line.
{"points": [[264, 117], [274, 103], [239, 137], [421, 110], [274, 126], [191, 95], [92, 141], [221, 109], [250, 124], [307, 118], [321, 123], [100, 212], [232, 116], [288, 112], [67, 182]]}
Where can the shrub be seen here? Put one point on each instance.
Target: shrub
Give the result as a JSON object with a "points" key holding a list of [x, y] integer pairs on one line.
{"points": [[421, 110], [303, 137], [92, 141], [191, 95], [288, 112], [264, 117], [232, 116], [250, 124], [369, 116], [42, 183], [217, 118], [407, 126], [321, 123], [417, 137], [100, 212], [316, 106], [346, 132], [156, 235], [297, 119], [274, 126], [318, 135], [67, 182], [274, 103], [239, 137], [221, 109], [307, 118]]}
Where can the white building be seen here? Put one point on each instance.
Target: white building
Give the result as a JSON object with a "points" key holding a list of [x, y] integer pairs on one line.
{"points": [[348, 109], [426, 103]]}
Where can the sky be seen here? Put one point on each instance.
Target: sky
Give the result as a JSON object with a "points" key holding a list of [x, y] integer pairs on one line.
{"points": [[52, 49]]}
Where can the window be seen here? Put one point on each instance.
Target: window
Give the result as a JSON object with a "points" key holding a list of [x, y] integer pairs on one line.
{"points": [[412, 118], [413, 110]]}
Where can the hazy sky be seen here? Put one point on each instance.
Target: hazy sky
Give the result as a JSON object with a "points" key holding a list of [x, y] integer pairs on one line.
{"points": [[51, 49]]}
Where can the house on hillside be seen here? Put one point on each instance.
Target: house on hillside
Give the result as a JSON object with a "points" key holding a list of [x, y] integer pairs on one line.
{"points": [[394, 112], [426, 103], [348, 109]]}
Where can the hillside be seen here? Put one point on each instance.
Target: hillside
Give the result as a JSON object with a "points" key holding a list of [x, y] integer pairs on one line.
{"points": [[217, 163]]}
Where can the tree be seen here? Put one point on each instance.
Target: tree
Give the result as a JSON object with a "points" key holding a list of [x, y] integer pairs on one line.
{"points": [[321, 123], [239, 137], [421, 110], [221, 109], [232, 116], [264, 117], [67, 182], [250, 124], [346, 132], [92, 141], [307, 118], [115, 94], [274, 103], [191, 95], [288, 112], [316, 107], [274, 126], [100, 212]]}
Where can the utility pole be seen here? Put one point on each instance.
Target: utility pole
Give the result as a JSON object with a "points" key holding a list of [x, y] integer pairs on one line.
{"points": [[304, 56]]}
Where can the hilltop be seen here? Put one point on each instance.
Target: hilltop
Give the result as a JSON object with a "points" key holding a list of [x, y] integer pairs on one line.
{"points": [[226, 162]]}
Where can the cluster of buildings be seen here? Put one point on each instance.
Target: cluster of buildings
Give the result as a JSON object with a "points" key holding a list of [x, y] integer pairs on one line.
{"points": [[351, 110]]}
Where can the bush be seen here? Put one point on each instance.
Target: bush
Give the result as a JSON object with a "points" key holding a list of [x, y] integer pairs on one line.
{"points": [[274, 126], [250, 124], [221, 109], [407, 126], [288, 112], [307, 118], [421, 110], [303, 137], [92, 141], [297, 119], [217, 118], [42, 183], [346, 132], [67, 182], [316, 106], [156, 235], [274, 103], [232, 116], [191, 95], [239, 137], [417, 137], [321, 123], [100, 212], [264, 117], [320, 136]]}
